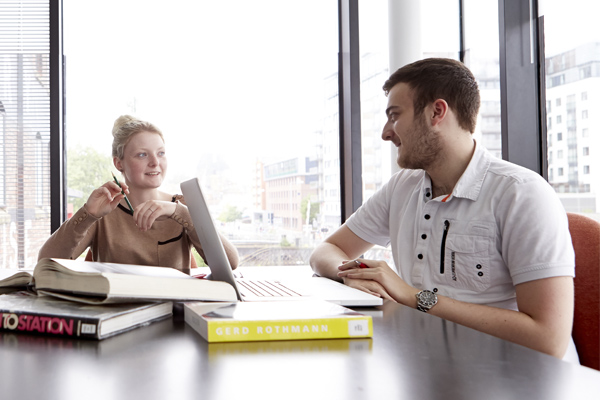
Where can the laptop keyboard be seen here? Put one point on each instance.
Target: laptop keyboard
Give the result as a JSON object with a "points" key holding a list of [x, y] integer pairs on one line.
{"points": [[266, 288]]}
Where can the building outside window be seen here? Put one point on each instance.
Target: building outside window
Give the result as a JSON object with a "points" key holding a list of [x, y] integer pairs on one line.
{"points": [[572, 67]]}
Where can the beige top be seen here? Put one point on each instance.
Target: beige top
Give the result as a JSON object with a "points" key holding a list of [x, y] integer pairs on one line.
{"points": [[116, 238]]}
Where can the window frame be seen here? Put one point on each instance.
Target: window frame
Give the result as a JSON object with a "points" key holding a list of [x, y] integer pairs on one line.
{"points": [[58, 162], [522, 90]]}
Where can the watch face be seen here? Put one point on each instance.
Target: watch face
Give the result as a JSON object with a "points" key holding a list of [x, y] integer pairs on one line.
{"points": [[427, 298]]}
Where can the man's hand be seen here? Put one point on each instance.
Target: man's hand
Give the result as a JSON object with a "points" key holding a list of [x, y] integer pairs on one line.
{"points": [[376, 277]]}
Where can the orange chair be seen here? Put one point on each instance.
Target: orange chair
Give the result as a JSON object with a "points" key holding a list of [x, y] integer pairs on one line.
{"points": [[585, 234]]}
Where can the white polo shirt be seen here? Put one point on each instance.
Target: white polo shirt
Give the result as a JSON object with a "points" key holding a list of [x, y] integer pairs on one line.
{"points": [[502, 225]]}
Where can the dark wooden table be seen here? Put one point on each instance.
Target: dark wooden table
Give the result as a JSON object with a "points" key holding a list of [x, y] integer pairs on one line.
{"points": [[412, 355]]}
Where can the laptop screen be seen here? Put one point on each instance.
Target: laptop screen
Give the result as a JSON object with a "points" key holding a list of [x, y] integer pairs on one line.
{"points": [[216, 258]]}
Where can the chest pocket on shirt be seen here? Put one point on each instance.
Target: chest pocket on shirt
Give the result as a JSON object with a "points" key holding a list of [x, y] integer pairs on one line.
{"points": [[467, 261]]}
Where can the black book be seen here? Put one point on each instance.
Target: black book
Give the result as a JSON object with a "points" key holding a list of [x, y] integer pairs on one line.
{"points": [[22, 312]]}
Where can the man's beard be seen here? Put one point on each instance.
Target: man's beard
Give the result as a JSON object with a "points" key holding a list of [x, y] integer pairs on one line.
{"points": [[425, 148]]}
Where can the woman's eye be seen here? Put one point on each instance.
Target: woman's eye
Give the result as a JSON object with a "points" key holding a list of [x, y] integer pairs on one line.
{"points": [[161, 153], [140, 155]]}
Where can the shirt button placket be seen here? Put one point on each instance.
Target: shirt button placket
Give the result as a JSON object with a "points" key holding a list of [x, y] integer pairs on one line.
{"points": [[424, 226]]}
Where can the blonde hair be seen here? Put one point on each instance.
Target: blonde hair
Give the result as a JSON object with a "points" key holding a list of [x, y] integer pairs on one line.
{"points": [[124, 128]]}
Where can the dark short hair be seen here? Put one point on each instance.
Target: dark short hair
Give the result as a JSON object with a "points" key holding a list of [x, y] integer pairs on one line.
{"points": [[441, 78]]}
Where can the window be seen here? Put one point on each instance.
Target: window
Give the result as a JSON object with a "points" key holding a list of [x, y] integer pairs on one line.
{"points": [[25, 132], [480, 54], [379, 157], [2, 163], [585, 72], [559, 136], [585, 132], [560, 172], [559, 154], [571, 60], [223, 114], [559, 119], [146, 55], [377, 161], [41, 163]]}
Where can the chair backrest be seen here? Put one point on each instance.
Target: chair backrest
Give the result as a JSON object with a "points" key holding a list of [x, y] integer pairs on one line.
{"points": [[585, 234]]}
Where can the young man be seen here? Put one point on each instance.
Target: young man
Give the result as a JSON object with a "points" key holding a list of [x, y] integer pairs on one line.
{"points": [[475, 239]]}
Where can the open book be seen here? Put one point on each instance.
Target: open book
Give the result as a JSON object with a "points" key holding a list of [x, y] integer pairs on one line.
{"points": [[99, 283], [13, 280]]}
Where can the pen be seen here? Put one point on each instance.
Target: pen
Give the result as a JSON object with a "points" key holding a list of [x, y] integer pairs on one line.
{"points": [[122, 191]]}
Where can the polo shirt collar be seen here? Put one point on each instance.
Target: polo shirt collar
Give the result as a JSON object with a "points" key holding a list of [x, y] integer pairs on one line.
{"points": [[470, 183]]}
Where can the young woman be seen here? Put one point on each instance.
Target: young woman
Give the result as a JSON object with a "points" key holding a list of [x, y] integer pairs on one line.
{"points": [[159, 231]]}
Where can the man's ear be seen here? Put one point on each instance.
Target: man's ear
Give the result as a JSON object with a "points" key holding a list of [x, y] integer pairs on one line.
{"points": [[439, 110]]}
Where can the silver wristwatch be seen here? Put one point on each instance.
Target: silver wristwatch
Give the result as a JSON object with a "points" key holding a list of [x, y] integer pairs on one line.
{"points": [[425, 300]]}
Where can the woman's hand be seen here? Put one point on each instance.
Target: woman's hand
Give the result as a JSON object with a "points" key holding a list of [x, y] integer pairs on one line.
{"points": [[149, 211], [105, 199], [376, 277]]}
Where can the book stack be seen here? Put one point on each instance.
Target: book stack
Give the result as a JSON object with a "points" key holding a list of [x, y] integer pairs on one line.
{"points": [[83, 299]]}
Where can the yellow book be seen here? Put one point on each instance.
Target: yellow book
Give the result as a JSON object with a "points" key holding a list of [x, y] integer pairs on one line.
{"points": [[276, 320]]}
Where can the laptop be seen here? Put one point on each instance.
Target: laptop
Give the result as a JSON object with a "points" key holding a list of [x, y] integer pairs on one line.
{"points": [[262, 290]]}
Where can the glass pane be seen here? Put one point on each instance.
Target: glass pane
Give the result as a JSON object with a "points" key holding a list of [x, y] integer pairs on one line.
{"points": [[242, 92], [374, 70], [440, 30], [379, 157], [24, 132], [572, 45], [482, 57]]}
